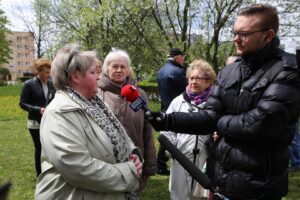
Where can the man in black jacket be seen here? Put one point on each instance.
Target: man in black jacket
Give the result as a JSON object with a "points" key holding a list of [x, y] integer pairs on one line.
{"points": [[253, 107]]}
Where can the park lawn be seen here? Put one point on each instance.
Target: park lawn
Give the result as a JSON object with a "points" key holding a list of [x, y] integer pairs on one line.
{"points": [[17, 161]]}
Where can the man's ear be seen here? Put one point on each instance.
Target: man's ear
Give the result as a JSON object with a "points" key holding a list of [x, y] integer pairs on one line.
{"points": [[270, 35]]}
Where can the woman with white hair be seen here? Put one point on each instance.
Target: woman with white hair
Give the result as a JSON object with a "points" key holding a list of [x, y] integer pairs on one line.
{"points": [[86, 153], [116, 72]]}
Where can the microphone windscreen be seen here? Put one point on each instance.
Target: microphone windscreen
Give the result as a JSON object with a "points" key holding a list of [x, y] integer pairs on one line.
{"points": [[130, 93]]}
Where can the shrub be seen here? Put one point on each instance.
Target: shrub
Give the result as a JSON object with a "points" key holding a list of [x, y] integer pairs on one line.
{"points": [[24, 78], [2, 83], [151, 90]]}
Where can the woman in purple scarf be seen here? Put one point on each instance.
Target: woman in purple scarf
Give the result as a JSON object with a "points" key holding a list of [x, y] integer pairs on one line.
{"points": [[201, 77]]}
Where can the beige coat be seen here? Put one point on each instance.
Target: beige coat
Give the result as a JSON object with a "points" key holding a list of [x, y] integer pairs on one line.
{"points": [[77, 157], [135, 124]]}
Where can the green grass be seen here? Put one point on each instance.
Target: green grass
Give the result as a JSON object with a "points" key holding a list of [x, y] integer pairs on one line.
{"points": [[17, 161], [10, 90]]}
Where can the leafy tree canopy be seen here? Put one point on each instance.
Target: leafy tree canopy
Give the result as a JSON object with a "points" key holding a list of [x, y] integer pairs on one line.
{"points": [[4, 43]]}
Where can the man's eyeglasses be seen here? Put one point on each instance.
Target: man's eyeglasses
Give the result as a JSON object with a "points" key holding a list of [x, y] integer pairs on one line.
{"points": [[197, 78], [243, 34]]}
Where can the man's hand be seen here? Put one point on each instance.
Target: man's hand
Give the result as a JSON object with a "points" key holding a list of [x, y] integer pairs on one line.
{"points": [[156, 119], [42, 110]]}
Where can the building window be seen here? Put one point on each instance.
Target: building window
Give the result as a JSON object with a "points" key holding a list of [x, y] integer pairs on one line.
{"points": [[26, 38], [19, 55], [11, 66], [20, 63], [27, 63], [27, 55], [19, 38], [19, 72], [19, 47], [26, 47]]}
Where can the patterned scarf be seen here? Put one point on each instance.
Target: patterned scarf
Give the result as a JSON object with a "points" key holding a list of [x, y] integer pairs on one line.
{"points": [[107, 121], [196, 97]]}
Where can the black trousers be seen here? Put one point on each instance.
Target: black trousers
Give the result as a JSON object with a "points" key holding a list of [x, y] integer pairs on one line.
{"points": [[35, 135], [161, 158]]}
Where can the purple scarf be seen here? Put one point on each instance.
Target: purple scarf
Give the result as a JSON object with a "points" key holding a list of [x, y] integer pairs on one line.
{"points": [[196, 97]]}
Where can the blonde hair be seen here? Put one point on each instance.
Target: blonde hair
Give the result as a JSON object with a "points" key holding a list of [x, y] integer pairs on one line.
{"points": [[204, 67], [42, 63]]}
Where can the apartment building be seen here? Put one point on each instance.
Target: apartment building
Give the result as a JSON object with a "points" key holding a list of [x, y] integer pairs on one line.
{"points": [[22, 55]]}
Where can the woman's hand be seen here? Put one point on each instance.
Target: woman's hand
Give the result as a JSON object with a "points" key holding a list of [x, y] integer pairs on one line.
{"points": [[138, 164]]}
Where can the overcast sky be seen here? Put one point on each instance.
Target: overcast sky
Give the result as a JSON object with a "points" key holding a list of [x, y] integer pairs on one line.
{"points": [[9, 7]]}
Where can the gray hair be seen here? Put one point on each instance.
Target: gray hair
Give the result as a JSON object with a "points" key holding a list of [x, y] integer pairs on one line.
{"points": [[68, 60], [113, 55]]}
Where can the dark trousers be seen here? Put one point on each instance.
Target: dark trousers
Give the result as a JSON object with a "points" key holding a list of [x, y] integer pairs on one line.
{"points": [[161, 158], [35, 135]]}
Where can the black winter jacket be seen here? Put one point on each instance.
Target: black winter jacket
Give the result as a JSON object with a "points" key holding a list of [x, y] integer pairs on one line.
{"points": [[32, 97], [254, 106]]}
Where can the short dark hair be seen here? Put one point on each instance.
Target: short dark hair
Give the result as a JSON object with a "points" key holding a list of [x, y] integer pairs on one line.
{"points": [[269, 15]]}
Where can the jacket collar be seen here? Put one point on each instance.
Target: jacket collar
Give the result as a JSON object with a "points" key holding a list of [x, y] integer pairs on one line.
{"points": [[65, 103], [175, 64], [260, 58]]}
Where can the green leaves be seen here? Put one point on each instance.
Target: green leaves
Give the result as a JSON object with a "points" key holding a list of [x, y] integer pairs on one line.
{"points": [[4, 43]]}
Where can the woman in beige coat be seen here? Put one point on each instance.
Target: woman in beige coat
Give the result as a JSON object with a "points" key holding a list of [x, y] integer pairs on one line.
{"points": [[115, 74], [86, 152]]}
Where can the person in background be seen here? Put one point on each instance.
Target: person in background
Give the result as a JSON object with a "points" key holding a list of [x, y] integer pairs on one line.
{"points": [[253, 106], [86, 153], [294, 151], [201, 77], [36, 94], [171, 83], [98, 66], [116, 72]]}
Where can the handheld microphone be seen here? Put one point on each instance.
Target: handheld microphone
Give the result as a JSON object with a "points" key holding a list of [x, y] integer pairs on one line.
{"points": [[194, 171], [131, 94]]}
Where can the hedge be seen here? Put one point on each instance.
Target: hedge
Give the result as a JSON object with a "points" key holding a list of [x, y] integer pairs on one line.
{"points": [[151, 90]]}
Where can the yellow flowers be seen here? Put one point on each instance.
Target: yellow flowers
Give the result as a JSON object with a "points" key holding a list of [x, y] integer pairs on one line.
{"points": [[10, 109]]}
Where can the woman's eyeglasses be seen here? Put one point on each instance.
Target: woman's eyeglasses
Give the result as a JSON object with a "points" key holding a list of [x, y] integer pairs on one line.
{"points": [[197, 78]]}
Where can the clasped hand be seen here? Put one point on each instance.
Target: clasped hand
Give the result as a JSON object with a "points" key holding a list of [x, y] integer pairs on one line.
{"points": [[138, 164]]}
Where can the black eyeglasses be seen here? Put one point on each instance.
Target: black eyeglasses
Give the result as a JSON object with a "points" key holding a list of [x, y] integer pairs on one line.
{"points": [[197, 78], [243, 34]]}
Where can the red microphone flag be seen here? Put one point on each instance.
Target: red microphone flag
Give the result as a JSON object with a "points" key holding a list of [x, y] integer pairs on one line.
{"points": [[129, 92]]}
